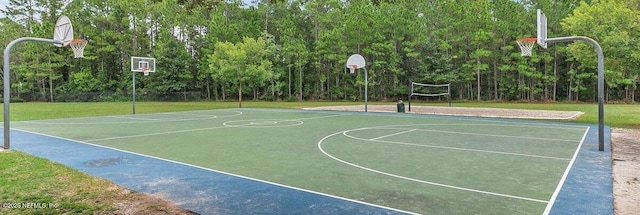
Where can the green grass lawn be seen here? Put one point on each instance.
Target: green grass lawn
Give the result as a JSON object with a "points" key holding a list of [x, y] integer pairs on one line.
{"points": [[27, 179]]}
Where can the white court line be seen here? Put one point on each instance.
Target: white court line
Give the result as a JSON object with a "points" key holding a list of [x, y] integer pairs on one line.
{"points": [[226, 173], [397, 127], [259, 123], [322, 117], [394, 134], [520, 125], [153, 134], [187, 114], [503, 121], [134, 118], [192, 130], [421, 181], [475, 150], [137, 120], [456, 148], [564, 176], [496, 135]]}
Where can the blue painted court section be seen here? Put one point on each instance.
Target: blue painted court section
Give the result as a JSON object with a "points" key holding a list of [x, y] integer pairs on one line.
{"points": [[196, 189], [588, 188]]}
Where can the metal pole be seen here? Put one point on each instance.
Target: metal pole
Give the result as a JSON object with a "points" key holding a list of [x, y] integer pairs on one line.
{"points": [[133, 101], [449, 94], [300, 78], [410, 94], [7, 83], [366, 87], [600, 81]]}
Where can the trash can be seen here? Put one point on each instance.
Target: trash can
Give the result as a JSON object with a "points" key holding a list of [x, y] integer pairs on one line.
{"points": [[400, 106]]}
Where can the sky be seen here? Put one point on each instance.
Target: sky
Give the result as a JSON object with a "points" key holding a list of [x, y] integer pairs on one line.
{"points": [[3, 4]]}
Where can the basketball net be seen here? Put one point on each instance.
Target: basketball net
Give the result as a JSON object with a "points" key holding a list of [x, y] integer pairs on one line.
{"points": [[145, 70], [78, 47], [526, 46], [352, 68]]}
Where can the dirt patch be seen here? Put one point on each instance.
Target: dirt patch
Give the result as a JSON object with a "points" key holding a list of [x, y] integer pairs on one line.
{"points": [[625, 144], [136, 203], [464, 111], [626, 170]]}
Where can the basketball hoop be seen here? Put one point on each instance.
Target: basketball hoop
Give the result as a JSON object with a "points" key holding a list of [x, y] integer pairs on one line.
{"points": [[352, 68], [526, 46], [78, 47]]}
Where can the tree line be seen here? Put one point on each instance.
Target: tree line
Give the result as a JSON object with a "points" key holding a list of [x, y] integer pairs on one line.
{"points": [[292, 50]]}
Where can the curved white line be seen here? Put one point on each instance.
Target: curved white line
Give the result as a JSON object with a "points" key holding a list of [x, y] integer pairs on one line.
{"points": [[420, 181]]}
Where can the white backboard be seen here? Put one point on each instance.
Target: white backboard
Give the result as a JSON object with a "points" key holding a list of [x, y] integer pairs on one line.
{"points": [[542, 29], [356, 60], [143, 64], [63, 31]]}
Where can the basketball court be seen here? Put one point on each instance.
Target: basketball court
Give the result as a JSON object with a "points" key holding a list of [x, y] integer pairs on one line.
{"points": [[240, 161]]}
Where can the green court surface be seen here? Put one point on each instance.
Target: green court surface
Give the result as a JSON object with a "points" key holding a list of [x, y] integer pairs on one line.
{"points": [[420, 164]]}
